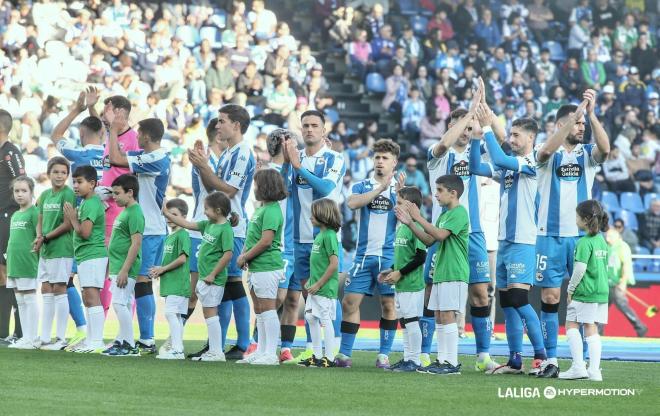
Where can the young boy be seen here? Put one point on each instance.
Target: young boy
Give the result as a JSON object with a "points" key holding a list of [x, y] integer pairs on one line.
{"points": [[125, 261], [408, 278], [175, 279], [89, 248], [451, 274]]}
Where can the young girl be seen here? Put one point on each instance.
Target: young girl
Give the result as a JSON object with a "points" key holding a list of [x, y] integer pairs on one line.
{"points": [[215, 253], [22, 261], [174, 277], [323, 283], [55, 242], [263, 258], [588, 291]]}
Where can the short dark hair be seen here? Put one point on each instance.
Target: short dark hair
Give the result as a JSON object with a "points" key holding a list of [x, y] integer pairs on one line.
{"points": [[457, 114], [119, 101], [451, 183], [387, 146], [6, 121], [316, 113], [594, 216], [128, 182], [57, 160], [86, 172], [92, 123], [237, 114], [565, 110], [153, 128], [270, 186], [527, 124], [412, 194], [179, 204], [327, 213], [275, 140], [211, 129], [218, 200]]}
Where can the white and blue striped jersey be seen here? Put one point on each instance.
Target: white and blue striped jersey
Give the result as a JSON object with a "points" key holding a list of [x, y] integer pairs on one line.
{"points": [[153, 173], [287, 212], [91, 155], [564, 181], [236, 167], [455, 163], [200, 193], [376, 221], [326, 164]]}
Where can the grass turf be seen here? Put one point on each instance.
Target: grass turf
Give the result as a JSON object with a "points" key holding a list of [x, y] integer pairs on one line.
{"points": [[41, 382]]}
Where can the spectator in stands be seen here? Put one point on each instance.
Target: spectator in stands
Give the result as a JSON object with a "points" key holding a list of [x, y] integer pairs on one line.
{"points": [[605, 15], [539, 20], [615, 171], [264, 21], [487, 30], [396, 91], [432, 126], [360, 54], [644, 57], [514, 31], [466, 17], [649, 227], [450, 60], [522, 63], [220, 77], [239, 56], [442, 23], [633, 91], [628, 235], [277, 65], [593, 71], [472, 57], [570, 78], [414, 176], [625, 35], [281, 100], [340, 32], [382, 48], [582, 9], [541, 87], [412, 113], [301, 66], [411, 45], [502, 63], [579, 37], [375, 21], [653, 106], [423, 83]]}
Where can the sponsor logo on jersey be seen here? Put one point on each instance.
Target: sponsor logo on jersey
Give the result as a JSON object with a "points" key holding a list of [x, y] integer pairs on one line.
{"points": [[52, 206], [169, 249], [96, 163], [569, 172], [461, 169], [508, 181], [301, 181], [208, 238], [18, 225], [380, 205]]}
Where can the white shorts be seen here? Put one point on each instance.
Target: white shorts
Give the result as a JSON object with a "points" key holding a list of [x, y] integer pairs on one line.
{"points": [[209, 295], [321, 307], [448, 296], [587, 313], [91, 273], [55, 270], [409, 304], [122, 296], [176, 304], [265, 284], [22, 283]]}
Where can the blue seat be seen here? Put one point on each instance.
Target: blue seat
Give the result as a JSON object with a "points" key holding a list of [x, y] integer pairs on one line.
{"points": [[610, 201], [556, 51], [631, 201], [376, 83], [641, 265], [629, 218], [409, 7], [331, 114], [648, 198], [188, 35], [418, 24], [212, 34]]}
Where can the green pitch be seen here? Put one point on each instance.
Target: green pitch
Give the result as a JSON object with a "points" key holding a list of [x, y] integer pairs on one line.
{"points": [[39, 382]]}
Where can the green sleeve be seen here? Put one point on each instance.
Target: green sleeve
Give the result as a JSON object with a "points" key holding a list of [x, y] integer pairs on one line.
{"points": [[136, 223], [88, 212], [70, 197], [272, 218], [455, 222], [331, 245], [226, 240], [583, 251], [202, 225], [35, 218], [183, 244], [40, 202]]}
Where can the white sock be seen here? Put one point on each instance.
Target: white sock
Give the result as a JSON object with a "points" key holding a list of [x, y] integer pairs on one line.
{"points": [[215, 337], [22, 313], [61, 315], [414, 341], [441, 339], [176, 331], [595, 350], [329, 338], [32, 316], [261, 329], [575, 343], [47, 317], [451, 343], [125, 319], [406, 344], [309, 345], [96, 319], [271, 329], [315, 333]]}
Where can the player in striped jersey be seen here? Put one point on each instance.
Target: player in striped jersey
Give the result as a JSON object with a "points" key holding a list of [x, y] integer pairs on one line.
{"points": [[374, 199], [450, 156], [566, 168], [517, 236], [234, 178], [316, 172]]}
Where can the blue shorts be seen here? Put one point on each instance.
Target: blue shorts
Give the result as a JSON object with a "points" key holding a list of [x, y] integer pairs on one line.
{"points": [[516, 263], [194, 254], [152, 252], [301, 253], [74, 267], [363, 276], [478, 259], [554, 259], [233, 270], [288, 270], [428, 265]]}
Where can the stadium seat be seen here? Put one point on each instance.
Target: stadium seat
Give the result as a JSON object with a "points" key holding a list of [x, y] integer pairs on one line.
{"points": [[188, 35], [212, 34], [648, 198], [629, 218], [376, 83], [219, 18], [418, 24], [640, 265], [631, 201], [610, 201], [557, 53], [331, 114], [409, 7]]}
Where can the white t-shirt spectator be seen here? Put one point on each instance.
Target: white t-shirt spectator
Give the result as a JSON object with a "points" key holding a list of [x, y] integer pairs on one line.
{"points": [[264, 22]]}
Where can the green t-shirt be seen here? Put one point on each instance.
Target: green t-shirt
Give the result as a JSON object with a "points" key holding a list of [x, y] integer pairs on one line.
{"points": [[91, 209], [22, 262], [451, 258], [217, 239], [406, 245], [176, 282], [130, 221], [51, 208], [619, 258], [325, 245], [266, 217], [593, 288]]}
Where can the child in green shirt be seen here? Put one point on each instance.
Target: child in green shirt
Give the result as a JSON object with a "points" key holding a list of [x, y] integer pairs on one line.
{"points": [[215, 253], [451, 273], [55, 243], [408, 278], [22, 261], [263, 258], [588, 292], [88, 223], [174, 274]]}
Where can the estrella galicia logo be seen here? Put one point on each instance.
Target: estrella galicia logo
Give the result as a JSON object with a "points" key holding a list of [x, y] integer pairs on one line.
{"points": [[508, 181], [301, 181], [461, 169], [380, 205], [569, 172]]}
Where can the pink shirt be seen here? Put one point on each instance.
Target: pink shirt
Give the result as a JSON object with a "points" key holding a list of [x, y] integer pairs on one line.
{"points": [[127, 142]]}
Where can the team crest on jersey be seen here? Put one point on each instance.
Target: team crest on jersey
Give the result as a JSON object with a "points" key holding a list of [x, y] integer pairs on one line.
{"points": [[320, 161], [461, 169], [380, 205], [539, 277], [569, 172], [508, 181]]}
